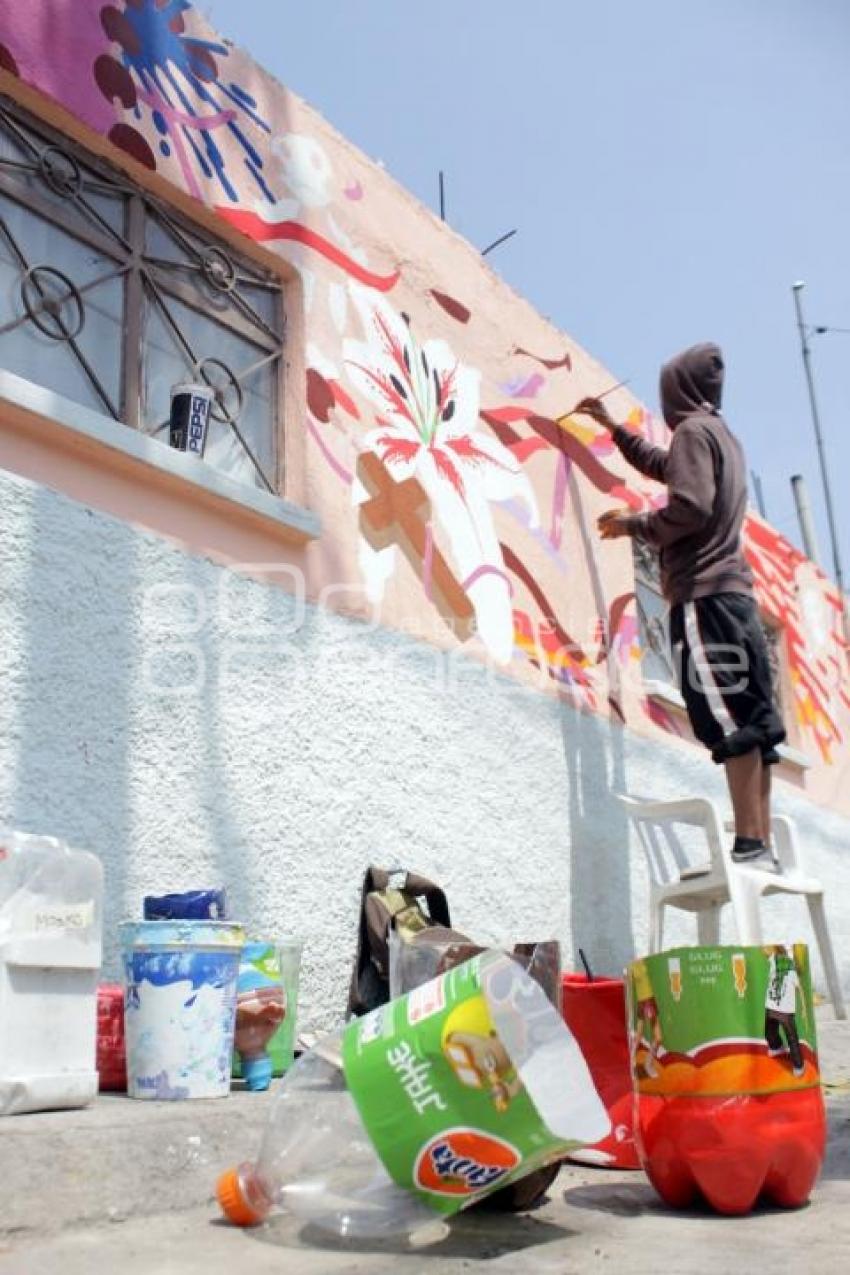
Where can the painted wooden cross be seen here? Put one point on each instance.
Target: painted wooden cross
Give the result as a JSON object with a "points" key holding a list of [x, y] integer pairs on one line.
{"points": [[397, 513]]}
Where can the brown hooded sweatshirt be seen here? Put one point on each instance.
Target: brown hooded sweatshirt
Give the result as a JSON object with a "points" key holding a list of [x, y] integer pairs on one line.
{"points": [[698, 533]]}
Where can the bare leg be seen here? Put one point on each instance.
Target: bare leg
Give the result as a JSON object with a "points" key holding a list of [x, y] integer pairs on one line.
{"points": [[765, 803], [744, 776]]}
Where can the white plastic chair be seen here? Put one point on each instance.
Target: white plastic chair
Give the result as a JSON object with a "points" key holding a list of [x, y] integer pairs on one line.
{"points": [[705, 885]]}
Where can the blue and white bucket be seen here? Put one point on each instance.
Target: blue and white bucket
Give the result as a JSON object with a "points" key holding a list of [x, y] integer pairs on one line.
{"points": [[180, 1006]]}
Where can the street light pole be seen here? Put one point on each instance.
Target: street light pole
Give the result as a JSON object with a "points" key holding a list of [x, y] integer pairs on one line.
{"points": [[797, 289]]}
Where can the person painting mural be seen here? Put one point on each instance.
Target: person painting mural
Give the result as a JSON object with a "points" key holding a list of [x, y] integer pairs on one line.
{"points": [[717, 637]]}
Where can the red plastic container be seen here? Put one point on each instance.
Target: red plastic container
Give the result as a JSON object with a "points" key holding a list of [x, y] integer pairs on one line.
{"points": [[595, 1012], [727, 1083], [111, 1053], [733, 1150]]}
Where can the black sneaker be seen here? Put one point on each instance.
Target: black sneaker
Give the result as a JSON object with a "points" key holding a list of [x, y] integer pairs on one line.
{"points": [[752, 853]]}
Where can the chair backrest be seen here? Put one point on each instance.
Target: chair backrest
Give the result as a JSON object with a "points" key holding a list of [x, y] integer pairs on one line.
{"points": [[786, 845], [669, 855]]}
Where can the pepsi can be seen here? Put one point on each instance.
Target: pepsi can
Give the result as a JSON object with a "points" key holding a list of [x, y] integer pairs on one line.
{"points": [[190, 417]]}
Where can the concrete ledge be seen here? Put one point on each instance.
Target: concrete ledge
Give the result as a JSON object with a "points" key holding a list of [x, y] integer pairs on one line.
{"points": [[121, 1158], [665, 692], [794, 757], [21, 400]]}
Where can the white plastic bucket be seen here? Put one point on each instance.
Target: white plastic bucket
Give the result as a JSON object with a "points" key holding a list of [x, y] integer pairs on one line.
{"points": [[180, 1005]]}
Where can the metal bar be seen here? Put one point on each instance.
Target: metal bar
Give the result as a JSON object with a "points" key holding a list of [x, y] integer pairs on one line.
{"points": [[827, 491], [758, 492], [249, 312], [25, 142], [87, 287], [167, 315], [442, 197], [279, 439], [496, 242], [42, 133], [92, 375], [804, 517], [27, 165], [191, 297], [101, 221], [176, 230], [134, 305], [258, 467], [14, 245], [57, 216], [236, 299], [255, 367], [269, 285]]}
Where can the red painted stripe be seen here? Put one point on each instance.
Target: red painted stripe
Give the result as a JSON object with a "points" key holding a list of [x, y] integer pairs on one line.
{"points": [[252, 225]]}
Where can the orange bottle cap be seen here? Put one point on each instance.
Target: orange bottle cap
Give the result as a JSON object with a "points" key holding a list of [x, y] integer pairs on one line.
{"points": [[232, 1200]]}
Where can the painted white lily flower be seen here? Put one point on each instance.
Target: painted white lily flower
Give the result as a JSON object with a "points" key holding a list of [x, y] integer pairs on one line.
{"points": [[429, 427]]}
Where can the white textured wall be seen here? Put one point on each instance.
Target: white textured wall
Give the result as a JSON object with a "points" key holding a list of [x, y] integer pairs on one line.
{"points": [[308, 747]]}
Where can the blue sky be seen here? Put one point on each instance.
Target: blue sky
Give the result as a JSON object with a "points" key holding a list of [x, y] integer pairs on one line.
{"points": [[671, 168]]}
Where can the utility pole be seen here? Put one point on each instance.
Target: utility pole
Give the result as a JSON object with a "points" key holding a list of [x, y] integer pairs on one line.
{"points": [[758, 491], [804, 517], [797, 289]]}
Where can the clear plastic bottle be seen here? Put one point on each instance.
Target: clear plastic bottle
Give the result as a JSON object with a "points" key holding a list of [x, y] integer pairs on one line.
{"points": [[317, 1161], [465, 1085]]}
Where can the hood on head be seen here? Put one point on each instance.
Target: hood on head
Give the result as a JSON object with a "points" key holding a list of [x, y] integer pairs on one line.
{"points": [[692, 382]]}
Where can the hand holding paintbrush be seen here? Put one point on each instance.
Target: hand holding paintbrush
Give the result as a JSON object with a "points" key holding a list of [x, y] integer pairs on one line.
{"points": [[593, 407], [615, 522]]}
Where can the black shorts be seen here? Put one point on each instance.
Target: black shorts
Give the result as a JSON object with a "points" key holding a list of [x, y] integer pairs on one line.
{"points": [[725, 676]]}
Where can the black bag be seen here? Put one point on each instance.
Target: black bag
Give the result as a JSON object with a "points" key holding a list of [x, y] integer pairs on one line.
{"points": [[417, 911], [392, 901]]}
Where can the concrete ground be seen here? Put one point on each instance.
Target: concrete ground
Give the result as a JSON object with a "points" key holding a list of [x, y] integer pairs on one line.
{"points": [[594, 1220]]}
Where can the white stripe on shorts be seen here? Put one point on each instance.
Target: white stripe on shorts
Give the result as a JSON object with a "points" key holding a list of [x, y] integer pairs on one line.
{"points": [[699, 661]]}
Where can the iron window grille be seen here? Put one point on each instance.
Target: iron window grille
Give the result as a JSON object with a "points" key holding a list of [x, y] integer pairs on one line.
{"points": [[109, 298]]}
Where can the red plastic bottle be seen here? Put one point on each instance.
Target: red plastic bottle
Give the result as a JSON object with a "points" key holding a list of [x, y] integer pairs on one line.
{"points": [[595, 1012], [733, 1150], [728, 1102]]}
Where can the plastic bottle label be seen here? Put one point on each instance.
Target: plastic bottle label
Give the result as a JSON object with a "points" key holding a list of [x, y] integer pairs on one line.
{"points": [[713, 1021], [56, 918], [439, 1096]]}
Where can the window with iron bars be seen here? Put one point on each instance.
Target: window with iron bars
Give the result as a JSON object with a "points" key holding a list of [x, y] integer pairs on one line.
{"points": [[109, 298], [657, 662]]}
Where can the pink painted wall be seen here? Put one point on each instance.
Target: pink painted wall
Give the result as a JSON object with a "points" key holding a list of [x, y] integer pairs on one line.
{"points": [[457, 491]]}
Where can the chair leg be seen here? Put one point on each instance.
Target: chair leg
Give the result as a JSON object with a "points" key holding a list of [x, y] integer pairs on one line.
{"points": [[708, 926], [656, 926], [827, 956], [746, 909]]}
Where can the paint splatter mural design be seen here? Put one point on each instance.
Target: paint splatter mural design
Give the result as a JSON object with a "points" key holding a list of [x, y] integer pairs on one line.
{"points": [[160, 69], [439, 410]]}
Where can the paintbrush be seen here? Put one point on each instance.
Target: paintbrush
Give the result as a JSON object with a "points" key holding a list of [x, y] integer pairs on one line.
{"points": [[610, 390]]}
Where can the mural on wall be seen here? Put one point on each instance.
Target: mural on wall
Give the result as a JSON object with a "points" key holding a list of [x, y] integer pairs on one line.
{"points": [[798, 597], [476, 475]]}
